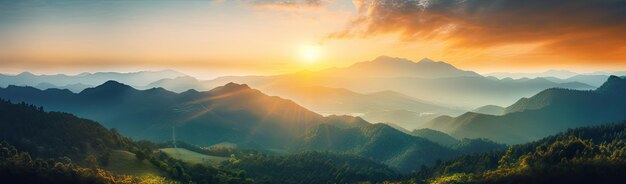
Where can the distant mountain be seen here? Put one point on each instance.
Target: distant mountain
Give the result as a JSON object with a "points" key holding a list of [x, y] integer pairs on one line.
{"points": [[560, 74], [490, 109], [465, 146], [391, 67], [230, 113], [380, 106], [72, 87], [435, 136], [379, 142], [179, 84], [455, 89], [87, 79], [594, 80], [404, 118], [342, 101], [545, 113]]}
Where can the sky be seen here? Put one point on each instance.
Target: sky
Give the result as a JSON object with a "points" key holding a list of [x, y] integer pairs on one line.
{"points": [[261, 37]]}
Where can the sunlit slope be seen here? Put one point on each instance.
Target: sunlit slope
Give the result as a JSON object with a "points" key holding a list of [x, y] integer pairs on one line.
{"points": [[193, 157], [379, 142], [126, 163]]}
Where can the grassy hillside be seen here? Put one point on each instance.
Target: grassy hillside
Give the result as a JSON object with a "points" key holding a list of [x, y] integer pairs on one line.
{"points": [[126, 163], [193, 157]]}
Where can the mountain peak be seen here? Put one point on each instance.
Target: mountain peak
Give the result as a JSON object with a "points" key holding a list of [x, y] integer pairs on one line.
{"points": [[26, 74], [613, 84], [109, 87], [426, 60], [113, 83], [387, 59], [231, 87]]}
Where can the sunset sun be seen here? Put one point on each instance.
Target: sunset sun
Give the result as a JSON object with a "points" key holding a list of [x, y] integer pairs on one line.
{"points": [[310, 53]]}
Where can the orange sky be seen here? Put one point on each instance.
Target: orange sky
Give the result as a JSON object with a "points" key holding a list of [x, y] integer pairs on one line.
{"points": [[239, 37]]}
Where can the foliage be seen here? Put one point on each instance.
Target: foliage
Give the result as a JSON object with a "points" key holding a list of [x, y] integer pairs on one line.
{"points": [[54, 134], [583, 155], [19, 167], [310, 167]]}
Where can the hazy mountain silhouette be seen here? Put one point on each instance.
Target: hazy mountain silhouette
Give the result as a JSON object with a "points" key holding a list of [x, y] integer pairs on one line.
{"points": [[545, 113], [404, 118], [435, 136], [326, 100], [233, 112], [490, 109], [452, 87], [560, 74], [72, 87], [391, 67], [87, 79]]}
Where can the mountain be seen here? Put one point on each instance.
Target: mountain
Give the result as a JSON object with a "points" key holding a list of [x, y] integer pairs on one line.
{"points": [[230, 113], [391, 67], [54, 134], [327, 100], [435, 136], [545, 113], [470, 146], [380, 106], [560, 74], [404, 118], [454, 90], [379, 142], [87, 79], [591, 79], [72, 87], [178, 84], [490, 109]]}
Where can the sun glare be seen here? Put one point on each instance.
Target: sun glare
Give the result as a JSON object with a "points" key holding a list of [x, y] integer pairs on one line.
{"points": [[310, 53]]}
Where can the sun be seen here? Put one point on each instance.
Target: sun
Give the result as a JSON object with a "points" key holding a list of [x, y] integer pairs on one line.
{"points": [[310, 53]]}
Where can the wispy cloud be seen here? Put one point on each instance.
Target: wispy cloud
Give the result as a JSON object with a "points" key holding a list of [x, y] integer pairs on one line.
{"points": [[289, 4], [577, 28]]}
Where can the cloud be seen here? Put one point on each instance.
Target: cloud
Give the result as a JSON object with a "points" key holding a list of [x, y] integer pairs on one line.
{"points": [[577, 28], [289, 4]]}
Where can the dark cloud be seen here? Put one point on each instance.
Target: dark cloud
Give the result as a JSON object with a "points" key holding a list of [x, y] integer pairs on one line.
{"points": [[581, 28]]}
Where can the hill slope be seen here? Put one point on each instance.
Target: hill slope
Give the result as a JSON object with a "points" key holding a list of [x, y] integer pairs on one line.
{"points": [[54, 134], [379, 142], [547, 112]]}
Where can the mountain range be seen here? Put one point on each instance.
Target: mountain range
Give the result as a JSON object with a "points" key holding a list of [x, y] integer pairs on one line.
{"points": [[230, 113], [545, 113], [448, 86], [81, 81]]}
